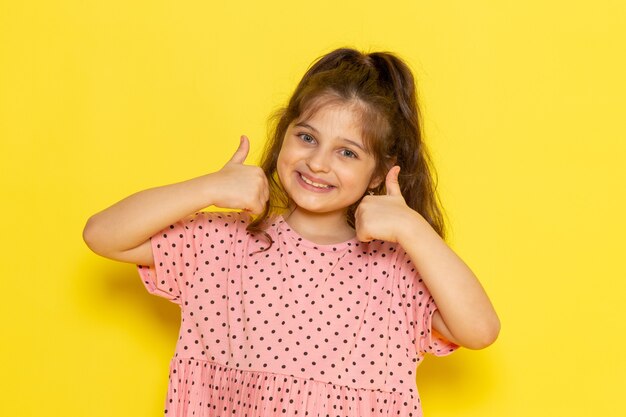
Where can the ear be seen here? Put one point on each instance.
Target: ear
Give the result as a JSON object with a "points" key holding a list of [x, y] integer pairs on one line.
{"points": [[379, 179], [376, 181]]}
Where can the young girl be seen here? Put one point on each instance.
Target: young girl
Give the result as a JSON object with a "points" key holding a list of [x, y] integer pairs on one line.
{"points": [[322, 295]]}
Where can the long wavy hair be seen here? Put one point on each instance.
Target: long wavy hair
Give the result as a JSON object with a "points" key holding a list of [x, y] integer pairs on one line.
{"points": [[383, 89]]}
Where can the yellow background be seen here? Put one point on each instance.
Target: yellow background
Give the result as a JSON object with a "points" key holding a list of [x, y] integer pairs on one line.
{"points": [[524, 110]]}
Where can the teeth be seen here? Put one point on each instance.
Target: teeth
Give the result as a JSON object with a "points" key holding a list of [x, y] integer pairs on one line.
{"points": [[314, 184]]}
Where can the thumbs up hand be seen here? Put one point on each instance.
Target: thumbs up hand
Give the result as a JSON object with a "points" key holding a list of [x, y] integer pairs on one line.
{"points": [[240, 155], [240, 186], [384, 217], [391, 182]]}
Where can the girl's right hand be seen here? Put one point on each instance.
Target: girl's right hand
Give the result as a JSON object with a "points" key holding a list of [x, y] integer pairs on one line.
{"points": [[122, 231], [239, 186]]}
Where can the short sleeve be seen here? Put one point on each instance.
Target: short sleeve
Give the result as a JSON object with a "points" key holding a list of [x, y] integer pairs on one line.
{"points": [[175, 250], [429, 340], [421, 311]]}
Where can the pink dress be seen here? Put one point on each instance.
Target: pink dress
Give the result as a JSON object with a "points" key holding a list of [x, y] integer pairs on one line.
{"points": [[299, 330]]}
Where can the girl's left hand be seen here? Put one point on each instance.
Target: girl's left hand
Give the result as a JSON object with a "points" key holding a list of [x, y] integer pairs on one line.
{"points": [[384, 217]]}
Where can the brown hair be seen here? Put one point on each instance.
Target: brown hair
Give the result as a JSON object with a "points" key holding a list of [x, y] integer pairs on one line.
{"points": [[383, 88]]}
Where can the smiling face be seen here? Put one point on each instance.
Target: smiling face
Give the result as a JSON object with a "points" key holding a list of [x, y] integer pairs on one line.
{"points": [[323, 164]]}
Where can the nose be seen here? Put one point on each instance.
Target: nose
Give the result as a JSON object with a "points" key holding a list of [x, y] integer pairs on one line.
{"points": [[319, 161]]}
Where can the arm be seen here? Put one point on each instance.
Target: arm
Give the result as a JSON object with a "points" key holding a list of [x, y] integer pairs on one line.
{"points": [[122, 232], [465, 315]]}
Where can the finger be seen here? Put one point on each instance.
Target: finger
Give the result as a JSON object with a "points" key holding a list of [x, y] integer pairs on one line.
{"points": [[265, 195], [259, 207], [262, 200], [242, 151], [266, 189], [254, 210], [363, 237], [361, 234], [391, 182]]}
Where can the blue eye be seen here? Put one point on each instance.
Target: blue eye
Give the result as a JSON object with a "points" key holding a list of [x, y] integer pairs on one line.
{"points": [[348, 153], [306, 138]]}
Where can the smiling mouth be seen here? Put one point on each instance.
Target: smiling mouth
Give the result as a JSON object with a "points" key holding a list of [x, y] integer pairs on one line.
{"points": [[315, 184]]}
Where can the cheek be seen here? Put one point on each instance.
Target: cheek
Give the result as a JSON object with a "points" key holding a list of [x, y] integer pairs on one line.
{"points": [[284, 155], [355, 179], [281, 165]]}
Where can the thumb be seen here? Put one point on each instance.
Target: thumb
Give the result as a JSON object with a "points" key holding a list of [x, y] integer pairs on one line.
{"points": [[241, 153], [391, 182]]}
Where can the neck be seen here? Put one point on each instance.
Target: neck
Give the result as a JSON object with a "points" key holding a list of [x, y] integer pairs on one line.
{"points": [[321, 228]]}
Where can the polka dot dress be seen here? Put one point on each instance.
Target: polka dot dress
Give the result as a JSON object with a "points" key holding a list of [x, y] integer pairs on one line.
{"points": [[299, 330]]}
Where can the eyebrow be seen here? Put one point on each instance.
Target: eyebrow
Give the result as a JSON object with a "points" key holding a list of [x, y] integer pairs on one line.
{"points": [[358, 145]]}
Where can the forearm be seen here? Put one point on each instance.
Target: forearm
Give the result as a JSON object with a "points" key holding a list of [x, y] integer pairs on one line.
{"points": [[133, 220], [462, 302]]}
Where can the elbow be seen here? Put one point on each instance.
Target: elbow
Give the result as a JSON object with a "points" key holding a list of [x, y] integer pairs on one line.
{"points": [[90, 235], [485, 336]]}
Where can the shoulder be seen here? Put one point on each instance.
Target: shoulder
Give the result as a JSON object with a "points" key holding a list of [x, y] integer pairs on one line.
{"points": [[395, 259], [218, 220], [207, 224], [381, 250]]}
